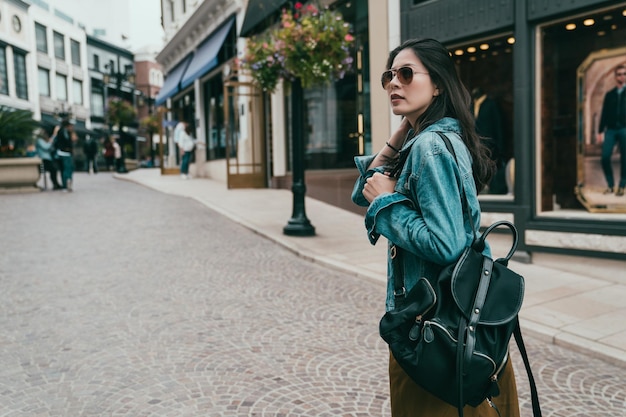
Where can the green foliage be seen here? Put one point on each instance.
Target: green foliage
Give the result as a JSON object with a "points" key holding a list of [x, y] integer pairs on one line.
{"points": [[16, 131], [120, 113], [150, 124], [309, 44]]}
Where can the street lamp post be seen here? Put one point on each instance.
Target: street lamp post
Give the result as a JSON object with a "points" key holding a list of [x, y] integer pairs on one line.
{"points": [[118, 78], [298, 224]]}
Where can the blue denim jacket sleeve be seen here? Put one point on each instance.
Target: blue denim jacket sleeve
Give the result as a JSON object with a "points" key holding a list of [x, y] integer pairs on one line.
{"points": [[424, 215]]}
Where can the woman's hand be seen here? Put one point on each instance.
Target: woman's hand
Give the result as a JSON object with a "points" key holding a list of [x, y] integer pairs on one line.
{"points": [[378, 184]]}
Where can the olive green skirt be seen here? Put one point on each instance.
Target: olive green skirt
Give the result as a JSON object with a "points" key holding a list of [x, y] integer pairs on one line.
{"points": [[410, 400]]}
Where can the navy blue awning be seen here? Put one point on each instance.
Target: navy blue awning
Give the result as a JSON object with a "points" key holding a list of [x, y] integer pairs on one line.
{"points": [[171, 85], [259, 15], [205, 57]]}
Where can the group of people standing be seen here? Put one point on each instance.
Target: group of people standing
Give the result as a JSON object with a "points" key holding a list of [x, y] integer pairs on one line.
{"points": [[57, 154]]}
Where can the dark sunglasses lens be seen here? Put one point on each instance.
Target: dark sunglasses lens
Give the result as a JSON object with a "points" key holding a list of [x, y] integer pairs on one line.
{"points": [[405, 75], [386, 78]]}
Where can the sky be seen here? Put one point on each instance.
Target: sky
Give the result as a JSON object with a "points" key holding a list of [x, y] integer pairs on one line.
{"points": [[133, 24]]}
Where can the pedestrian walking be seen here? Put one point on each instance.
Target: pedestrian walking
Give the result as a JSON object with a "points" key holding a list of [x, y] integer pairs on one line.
{"points": [[109, 153], [117, 155], [186, 144], [64, 144], [613, 127], [90, 148], [45, 150], [417, 205]]}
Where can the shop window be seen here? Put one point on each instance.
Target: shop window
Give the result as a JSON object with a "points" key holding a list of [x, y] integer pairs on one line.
{"points": [[216, 129], [337, 117], [573, 83], [21, 81], [486, 68]]}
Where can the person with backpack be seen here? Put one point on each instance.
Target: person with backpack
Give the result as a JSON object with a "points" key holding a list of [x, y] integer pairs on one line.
{"points": [[90, 148], [412, 190]]}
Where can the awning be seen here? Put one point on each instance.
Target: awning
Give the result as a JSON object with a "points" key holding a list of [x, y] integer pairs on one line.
{"points": [[205, 56], [171, 85], [256, 13]]}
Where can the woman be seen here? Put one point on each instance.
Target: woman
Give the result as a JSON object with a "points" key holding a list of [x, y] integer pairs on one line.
{"points": [[417, 206]]}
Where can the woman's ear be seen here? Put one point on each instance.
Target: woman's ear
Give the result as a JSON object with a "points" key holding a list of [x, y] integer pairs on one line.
{"points": [[436, 92]]}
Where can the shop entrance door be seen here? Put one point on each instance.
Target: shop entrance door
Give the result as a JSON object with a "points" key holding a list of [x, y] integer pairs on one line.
{"points": [[245, 135]]}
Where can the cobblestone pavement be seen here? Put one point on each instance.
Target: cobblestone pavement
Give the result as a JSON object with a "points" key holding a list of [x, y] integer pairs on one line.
{"points": [[121, 301]]}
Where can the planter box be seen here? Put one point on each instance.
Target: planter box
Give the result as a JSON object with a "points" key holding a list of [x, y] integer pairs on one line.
{"points": [[19, 174]]}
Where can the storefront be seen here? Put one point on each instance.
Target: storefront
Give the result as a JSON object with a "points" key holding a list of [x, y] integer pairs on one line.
{"points": [[545, 67]]}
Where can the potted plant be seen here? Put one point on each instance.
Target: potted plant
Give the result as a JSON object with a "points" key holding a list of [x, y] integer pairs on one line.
{"points": [[309, 45], [18, 170]]}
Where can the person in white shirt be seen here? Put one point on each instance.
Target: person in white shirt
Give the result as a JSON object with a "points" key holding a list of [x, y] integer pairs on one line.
{"points": [[186, 144]]}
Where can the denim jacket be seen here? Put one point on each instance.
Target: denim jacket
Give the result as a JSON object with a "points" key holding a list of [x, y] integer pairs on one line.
{"points": [[423, 215]]}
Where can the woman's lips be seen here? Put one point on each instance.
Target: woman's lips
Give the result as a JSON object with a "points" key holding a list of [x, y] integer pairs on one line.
{"points": [[395, 98]]}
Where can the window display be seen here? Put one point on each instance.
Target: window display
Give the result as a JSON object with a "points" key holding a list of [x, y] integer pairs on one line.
{"points": [[486, 68], [577, 97]]}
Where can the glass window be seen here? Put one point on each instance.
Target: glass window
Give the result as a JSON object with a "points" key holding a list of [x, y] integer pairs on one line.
{"points": [[97, 103], [75, 47], [21, 81], [216, 137], [77, 91], [44, 82], [96, 62], [486, 68], [579, 156], [4, 81], [337, 117], [61, 85], [41, 36], [59, 46]]}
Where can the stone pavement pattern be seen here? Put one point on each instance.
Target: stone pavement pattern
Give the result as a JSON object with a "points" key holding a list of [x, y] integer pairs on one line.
{"points": [[121, 301]]}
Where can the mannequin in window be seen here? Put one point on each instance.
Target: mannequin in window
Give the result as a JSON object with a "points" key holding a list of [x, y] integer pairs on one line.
{"points": [[489, 126], [613, 127]]}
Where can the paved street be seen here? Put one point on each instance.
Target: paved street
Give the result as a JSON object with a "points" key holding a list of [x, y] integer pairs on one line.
{"points": [[118, 300]]}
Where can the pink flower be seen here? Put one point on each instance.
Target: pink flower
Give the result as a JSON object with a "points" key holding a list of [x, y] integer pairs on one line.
{"points": [[298, 6], [349, 38]]}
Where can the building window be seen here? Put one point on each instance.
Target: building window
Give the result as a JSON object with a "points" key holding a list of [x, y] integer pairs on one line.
{"points": [[486, 68], [172, 10], [44, 82], [77, 91], [61, 86], [21, 81], [75, 48], [96, 62], [573, 83], [97, 103], [4, 81], [41, 36], [59, 46]]}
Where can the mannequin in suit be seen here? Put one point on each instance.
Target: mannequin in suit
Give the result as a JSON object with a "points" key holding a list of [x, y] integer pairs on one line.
{"points": [[489, 125]]}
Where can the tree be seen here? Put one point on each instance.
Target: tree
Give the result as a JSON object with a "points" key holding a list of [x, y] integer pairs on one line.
{"points": [[16, 131]]}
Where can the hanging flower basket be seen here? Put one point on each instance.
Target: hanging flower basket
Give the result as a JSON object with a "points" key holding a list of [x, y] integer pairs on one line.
{"points": [[310, 44]]}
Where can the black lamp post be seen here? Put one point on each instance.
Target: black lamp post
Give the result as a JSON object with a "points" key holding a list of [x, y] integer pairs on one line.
{"points": [[298, 224], [118, 78]]}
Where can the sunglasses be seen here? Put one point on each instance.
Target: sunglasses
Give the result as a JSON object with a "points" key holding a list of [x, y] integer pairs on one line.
{"points": [[404, 74]]}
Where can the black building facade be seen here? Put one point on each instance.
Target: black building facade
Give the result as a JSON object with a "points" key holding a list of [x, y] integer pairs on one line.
{"points": [[547, 65]]}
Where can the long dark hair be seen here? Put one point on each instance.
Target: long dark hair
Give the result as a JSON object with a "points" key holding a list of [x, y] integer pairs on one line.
{"points": [[453, 101]]}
